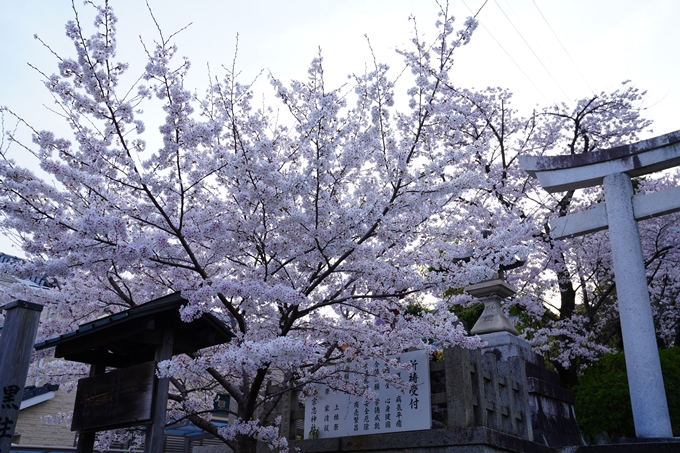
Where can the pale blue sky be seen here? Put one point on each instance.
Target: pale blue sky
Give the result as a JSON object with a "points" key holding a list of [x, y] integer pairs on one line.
{"points": [[609, 41]]}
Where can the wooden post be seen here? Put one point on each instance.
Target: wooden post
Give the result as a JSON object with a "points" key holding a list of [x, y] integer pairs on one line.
{"points": [[16, 343], [154, 433], [86, 439]]}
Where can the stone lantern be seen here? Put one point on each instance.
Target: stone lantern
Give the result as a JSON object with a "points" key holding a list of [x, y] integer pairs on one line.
{"points": [[499, 334], [491, 292]]}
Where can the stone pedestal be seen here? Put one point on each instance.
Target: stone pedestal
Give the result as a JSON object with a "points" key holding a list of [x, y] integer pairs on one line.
{"points": [[505, 345]]}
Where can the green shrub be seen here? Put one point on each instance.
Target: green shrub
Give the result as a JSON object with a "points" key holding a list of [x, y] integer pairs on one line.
{"points": [[468, 314], [603, 399]]}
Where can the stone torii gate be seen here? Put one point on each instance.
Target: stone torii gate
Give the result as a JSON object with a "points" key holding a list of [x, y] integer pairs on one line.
{"points": [[613, 169]]}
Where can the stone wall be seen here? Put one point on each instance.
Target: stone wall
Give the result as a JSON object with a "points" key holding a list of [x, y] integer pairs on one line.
{"points": [[503, 387], [445, 440]]}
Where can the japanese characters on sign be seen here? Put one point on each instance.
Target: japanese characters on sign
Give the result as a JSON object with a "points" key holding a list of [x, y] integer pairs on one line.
{"points": [[9, 401], [334, 414]]}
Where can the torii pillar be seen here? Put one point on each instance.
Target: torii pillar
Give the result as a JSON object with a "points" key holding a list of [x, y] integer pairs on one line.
{"points": [[613, 168]]}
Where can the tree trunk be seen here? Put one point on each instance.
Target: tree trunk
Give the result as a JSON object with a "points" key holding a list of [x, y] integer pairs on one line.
{"points": [[568, 376], [567, 291], [245, 444]]}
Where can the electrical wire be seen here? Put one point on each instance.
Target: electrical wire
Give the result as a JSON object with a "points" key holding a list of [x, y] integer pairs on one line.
{"points": [[510, 56], [535, 42], [563, 48], [532, 51]]}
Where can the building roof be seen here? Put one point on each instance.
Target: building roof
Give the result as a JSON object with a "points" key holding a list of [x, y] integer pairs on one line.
{"points": [[34, 395], [35, 281], [189, 431]]}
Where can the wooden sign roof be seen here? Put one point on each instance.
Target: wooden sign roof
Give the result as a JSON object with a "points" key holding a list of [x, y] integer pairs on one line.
{"points": [[130, 337]]}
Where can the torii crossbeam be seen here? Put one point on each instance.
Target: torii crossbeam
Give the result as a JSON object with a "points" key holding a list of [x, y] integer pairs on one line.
{"points": [[613, 168]]}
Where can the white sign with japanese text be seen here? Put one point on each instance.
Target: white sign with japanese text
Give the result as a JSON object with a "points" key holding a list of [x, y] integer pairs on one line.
{"points": [[335, 414]]}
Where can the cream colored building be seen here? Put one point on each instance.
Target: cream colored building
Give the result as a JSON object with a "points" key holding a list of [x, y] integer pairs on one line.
{"points": [[32, 429]]}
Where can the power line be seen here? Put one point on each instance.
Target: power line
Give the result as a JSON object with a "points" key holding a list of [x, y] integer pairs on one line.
{"points": [[508, 54], [536, 42], [532, 51], [563, 48], [480, 8]]}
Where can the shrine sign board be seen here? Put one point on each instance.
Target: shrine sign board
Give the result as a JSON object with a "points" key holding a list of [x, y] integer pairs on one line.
{"points": [[117, 399], [336, 414]]}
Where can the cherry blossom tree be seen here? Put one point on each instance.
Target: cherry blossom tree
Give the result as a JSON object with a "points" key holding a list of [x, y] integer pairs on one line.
{"points": [[300, 224], [311, 223]]}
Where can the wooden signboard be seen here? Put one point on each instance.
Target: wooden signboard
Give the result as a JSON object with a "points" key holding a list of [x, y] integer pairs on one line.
{"points": [[117, 399], [132, 341]]}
